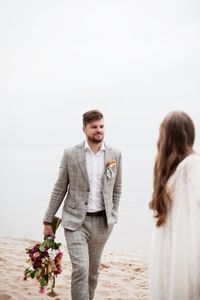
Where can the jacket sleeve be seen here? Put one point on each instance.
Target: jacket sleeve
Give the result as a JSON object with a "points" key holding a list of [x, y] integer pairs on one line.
{"points": [[59, 190]]}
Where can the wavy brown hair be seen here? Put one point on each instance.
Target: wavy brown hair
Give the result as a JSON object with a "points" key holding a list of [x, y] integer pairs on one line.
{"points": [[175, 142]]}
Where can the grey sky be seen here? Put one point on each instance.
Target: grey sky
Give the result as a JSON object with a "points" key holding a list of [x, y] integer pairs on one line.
{"points": [[134, 60]]}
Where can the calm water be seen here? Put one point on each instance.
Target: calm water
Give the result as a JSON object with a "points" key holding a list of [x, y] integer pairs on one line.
{"points": [[27, 176]]}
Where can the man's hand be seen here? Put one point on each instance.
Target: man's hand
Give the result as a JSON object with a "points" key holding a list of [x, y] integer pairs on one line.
{"points": [[48, 231]]}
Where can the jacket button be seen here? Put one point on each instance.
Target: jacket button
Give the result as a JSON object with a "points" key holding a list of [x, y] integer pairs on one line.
{"points": [[86, 202], [88, 190]]}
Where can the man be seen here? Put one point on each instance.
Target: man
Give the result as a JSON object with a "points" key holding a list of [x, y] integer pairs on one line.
{"points": [[90, 178]]}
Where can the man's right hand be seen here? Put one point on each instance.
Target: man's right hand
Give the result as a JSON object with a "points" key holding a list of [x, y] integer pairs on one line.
{"points": [[48, 231]]}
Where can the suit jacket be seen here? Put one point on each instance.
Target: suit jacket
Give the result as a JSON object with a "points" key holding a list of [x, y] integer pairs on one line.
{"points": [[72, 186]]}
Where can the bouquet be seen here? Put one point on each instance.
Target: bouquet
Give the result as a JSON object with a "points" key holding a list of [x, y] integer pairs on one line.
{"points": [[45, 261]]}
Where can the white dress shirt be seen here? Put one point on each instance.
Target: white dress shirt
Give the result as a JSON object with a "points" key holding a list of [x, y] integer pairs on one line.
{"points": [[95, 164]]}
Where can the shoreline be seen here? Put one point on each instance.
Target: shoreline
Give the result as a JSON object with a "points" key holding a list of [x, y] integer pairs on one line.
{"points": [[123, 276]]}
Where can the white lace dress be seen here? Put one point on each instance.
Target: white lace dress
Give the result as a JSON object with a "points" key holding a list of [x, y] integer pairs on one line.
{"points": [[174, 268]]}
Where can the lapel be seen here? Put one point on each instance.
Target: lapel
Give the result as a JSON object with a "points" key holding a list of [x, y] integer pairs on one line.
{"points": [[108, 157], [108, 154], [82, 160]]}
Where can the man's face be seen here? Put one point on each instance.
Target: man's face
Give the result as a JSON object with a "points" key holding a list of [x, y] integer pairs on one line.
{"points": [[94, 131]]}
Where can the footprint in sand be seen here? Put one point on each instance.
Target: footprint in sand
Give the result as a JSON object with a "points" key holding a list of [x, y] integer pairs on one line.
{"points": [[137, 269], [105, 266]]}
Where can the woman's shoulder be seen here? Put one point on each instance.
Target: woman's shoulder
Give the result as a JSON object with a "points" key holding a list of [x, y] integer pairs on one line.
{"points": [[190, 162], [188, 166]]}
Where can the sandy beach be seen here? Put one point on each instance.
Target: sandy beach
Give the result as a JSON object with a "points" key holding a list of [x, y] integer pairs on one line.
{"points": [[123, 276]]}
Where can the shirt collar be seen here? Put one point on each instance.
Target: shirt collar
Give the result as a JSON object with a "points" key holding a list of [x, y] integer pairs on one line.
{"points": [[87, 147]]}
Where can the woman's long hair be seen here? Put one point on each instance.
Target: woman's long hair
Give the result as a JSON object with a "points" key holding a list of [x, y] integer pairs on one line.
{"points": [[175, 142]]}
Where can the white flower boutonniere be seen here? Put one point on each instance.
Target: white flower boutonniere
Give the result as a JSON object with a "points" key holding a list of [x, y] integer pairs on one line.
{"points": [[109, 168]]}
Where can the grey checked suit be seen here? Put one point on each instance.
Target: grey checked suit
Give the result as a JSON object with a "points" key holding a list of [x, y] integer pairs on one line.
{"points": [[72, 187]]}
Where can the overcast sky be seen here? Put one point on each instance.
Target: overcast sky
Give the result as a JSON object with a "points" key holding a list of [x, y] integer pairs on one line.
{"points": [[134, 60]]}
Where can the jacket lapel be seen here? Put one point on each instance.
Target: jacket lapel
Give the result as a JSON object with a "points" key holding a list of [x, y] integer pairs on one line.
{"points": [[108, 157], [82, 161]]}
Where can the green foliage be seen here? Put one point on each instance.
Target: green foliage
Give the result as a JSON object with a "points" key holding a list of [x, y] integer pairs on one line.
{"points": [[55, 223], [45, 261], [43, 282]]}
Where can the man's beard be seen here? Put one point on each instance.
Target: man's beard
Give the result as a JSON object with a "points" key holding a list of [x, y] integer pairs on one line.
{"points": [[95, 140]]}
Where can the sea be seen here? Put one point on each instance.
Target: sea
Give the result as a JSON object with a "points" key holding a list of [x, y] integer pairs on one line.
{"points": [[28, 173]]}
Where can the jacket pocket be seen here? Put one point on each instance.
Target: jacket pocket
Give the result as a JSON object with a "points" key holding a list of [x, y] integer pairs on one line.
{"points": [[71, 204]]}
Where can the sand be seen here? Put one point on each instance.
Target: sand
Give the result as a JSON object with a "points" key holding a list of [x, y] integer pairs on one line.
{"points": [[122, 276]]}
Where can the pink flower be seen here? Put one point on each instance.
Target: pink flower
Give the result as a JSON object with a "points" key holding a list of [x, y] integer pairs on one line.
{"points": [[58, 270], [36, 255], [41, 290], [35, 248], [44, 263]]}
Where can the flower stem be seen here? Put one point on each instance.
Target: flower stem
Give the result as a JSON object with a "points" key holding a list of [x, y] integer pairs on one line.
{"points": [[53, 284]]}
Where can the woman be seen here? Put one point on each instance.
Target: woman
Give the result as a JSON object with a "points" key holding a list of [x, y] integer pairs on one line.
{"points": [[174, 271]]}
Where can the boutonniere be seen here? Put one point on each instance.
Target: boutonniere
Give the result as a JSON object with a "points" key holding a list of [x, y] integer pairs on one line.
{"points": [[109, 168]]}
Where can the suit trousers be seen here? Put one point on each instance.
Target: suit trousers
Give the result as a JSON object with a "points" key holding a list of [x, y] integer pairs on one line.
{"points": [[85, 246]]}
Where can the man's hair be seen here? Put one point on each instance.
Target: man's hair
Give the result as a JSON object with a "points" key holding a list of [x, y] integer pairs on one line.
{"points": [[91, 115]]}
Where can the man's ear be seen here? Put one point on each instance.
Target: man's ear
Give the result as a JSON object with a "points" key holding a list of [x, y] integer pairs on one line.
{"points": [[83, 129]]}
